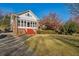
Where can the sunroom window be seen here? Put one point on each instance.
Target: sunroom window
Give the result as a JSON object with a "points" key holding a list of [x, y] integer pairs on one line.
{"points": [[22, 23], [25, 23], [18, 21], [28, 24], [31, 24], [35, 24]]}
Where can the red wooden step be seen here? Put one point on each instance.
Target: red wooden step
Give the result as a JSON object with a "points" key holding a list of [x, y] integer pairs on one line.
{"points": [[30, 31]]}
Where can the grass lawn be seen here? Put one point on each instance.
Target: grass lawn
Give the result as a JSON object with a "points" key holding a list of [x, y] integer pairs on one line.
{"points": [[54, 44]]}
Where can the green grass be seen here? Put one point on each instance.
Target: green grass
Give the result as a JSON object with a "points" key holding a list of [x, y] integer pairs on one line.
{"points": [[46, 32], [53, 44]]}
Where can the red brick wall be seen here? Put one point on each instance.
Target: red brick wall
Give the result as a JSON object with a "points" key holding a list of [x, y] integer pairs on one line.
{"points": [[14, 25], [21, 31]]}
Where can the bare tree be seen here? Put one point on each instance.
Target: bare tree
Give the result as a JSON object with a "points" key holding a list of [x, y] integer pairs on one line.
{"points": [[73, 9], [51, 21]]}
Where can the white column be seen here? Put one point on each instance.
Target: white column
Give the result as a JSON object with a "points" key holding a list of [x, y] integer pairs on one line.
{"points": [[35, 24], [23, 23], [32, 24]]}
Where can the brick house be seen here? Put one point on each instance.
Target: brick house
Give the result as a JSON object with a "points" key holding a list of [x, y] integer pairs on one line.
{"points": [[24, 23]]}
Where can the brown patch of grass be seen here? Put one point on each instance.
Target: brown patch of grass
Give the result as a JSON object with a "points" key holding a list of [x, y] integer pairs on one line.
{"points": [[50, 45]]}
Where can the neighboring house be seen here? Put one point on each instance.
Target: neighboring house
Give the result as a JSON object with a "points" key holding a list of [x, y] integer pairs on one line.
{"points": [[24, 23]]}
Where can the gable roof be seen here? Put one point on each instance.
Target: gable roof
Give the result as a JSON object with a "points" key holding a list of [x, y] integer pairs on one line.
{"points": [[23, 12], [27, 12]]}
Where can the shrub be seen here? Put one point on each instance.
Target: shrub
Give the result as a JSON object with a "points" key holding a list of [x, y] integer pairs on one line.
{"points": [[5, 23], [69, 28]]}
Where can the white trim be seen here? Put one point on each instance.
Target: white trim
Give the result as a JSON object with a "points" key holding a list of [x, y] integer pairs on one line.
{"points": [[23, 24], [28, 27]]}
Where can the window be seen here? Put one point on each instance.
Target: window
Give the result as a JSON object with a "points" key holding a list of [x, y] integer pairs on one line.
{"points": [[28, 24], [31, 24], [22, 23], [18, 22], [25, 23], [35, 24], [28, 14]]}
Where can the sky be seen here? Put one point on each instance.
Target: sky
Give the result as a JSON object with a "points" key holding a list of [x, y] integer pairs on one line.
{"points": [[39, 9]]}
